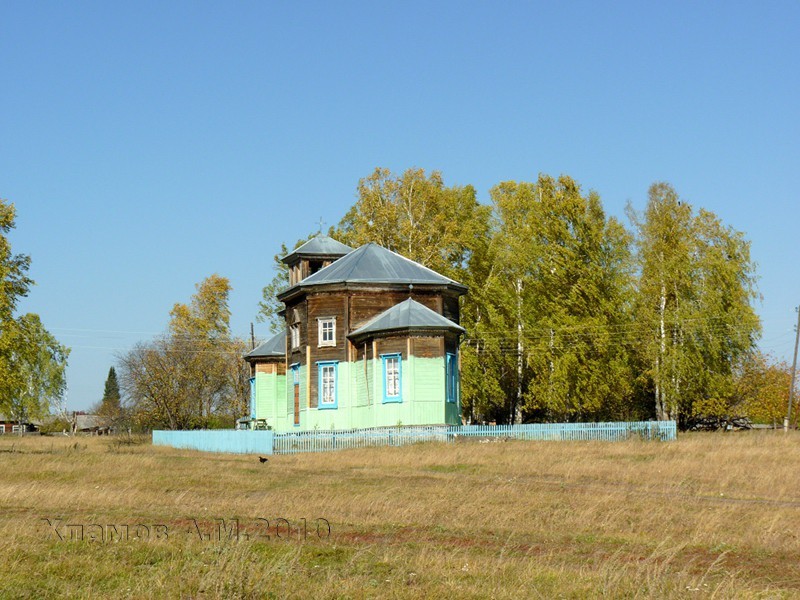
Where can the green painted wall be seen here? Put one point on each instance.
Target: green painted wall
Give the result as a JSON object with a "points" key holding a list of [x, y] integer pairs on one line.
{"points": [[360, 398], [266, 391], [269, 388]]}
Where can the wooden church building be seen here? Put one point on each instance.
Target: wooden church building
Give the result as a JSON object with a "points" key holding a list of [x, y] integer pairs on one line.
{"points": [[371, 340]]}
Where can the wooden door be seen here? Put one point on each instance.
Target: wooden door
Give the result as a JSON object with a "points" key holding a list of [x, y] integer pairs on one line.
{"points": [[297, 403]]}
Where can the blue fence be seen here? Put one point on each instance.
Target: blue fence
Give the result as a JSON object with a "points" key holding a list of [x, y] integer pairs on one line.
{"points": [[325, 441], [217, 440], [267, 442]]}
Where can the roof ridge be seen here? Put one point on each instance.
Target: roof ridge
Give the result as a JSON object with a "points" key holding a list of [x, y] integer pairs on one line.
{"points": [[419, 264], [372, 263], [401, 316], [359, 257]]}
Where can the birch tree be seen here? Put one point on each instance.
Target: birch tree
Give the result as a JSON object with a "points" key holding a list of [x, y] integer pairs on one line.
{"points": [[563, 274], [446, 229], [694, 304], [32, 361], [36, 369], [415, 214]]}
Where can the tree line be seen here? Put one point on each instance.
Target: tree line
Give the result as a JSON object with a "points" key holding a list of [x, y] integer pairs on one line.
{"points": [[572, 315]]}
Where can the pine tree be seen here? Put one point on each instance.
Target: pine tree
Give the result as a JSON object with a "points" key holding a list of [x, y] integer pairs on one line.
{"points": [[110, 404]]}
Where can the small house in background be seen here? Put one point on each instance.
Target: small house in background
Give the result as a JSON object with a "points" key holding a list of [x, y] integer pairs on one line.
{"points": [[371, 340], [9, 425], [88, 423]]}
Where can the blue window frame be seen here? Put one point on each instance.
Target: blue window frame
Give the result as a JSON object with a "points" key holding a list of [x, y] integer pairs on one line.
{"points": [[451, 377], [326, 384], [252, 397], [392, 377]]}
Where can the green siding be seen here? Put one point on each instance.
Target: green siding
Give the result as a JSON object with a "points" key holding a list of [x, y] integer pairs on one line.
{"points": [[266, 392], [360, 398]]}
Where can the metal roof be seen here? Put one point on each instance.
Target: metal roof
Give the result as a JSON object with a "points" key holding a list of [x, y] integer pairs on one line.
{"points": [[372, 263], [408, 315], [320, 245], [273, 347]]}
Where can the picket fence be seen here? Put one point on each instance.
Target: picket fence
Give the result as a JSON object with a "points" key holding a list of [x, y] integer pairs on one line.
{"points": [[326, 441]]}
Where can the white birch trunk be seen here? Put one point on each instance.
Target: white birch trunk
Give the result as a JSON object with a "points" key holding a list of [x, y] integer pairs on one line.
{"points": [[662, 411], [516, 416]]}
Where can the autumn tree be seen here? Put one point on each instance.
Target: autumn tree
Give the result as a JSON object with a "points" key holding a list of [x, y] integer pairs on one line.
{"points": [[555, 293], [693, 305], [32, 361], [14, 280], [761, 388], [192, 376], [14, 284], [442, 227], [415, 214], [37, 369]]}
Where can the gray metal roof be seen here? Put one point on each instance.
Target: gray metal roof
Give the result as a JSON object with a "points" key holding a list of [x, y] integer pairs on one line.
{"points": [[320, 245], [372, 263], [273, 347], [408, 315]]}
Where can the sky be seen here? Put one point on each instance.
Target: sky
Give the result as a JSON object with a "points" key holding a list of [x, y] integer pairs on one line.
{"points": [[147, 145]]}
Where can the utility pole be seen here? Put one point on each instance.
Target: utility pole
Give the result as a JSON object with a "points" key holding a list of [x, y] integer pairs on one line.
{"points": [[794, 372], [252, 337]]}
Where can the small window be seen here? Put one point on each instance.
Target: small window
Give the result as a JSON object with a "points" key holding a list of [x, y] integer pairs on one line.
{"points": [[314, 266], [451, 377], [392, 383], [327, 384], [294, 330], [327, 331]]}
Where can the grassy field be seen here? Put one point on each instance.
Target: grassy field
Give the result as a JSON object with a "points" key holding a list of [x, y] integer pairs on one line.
{"points": [[710, 515]]}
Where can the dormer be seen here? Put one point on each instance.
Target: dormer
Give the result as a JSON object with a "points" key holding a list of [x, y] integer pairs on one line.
{"points": [[317, 253]]}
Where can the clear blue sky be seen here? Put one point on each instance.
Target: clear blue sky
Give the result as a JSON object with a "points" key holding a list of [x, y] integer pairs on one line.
{"points": [[147, 145]]}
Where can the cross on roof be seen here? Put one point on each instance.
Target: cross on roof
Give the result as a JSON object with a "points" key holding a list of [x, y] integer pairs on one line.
{"points": [[321, 224]]}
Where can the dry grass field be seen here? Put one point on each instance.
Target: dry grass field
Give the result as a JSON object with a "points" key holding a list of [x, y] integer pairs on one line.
{"points": [[710, 515]]}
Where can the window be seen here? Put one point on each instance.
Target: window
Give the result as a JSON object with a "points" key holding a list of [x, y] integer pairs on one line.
{"points": [[451, 377], [314, 266], [392, 383], [327, 384], [327, 331], [294, 330]]}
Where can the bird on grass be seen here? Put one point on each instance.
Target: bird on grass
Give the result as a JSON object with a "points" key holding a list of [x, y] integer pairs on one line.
{"points": [[261, 459]]}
